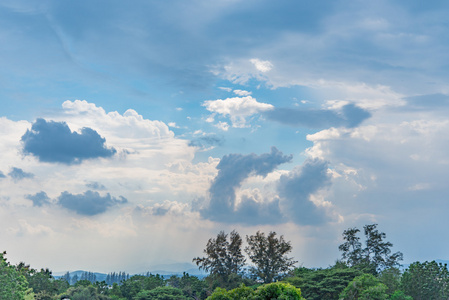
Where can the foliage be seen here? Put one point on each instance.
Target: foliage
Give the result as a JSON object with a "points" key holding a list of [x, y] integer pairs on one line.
{"points": [[399, 295], [82, 292], [323, 284], [223, 257], [426, 281], [137, 283], [191, 286], [161, 293], [268, 254], [391, 278], [366, 287], [276, 290], [13, 284], [375, 257]]}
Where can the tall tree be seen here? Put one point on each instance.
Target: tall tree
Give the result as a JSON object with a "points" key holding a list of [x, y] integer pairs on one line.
{"points": [[428, 280], [269, 256], [13, 284], [375, 257], [223, 257]]}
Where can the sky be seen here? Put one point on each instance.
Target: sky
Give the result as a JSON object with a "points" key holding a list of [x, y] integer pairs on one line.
{"points": [[131, 133]]}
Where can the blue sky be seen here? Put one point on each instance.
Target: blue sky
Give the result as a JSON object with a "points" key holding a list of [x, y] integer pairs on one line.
{"points": [[132, 133]]}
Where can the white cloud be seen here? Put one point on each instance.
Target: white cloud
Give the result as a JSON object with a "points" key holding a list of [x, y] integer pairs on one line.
{"points": [[261, 65], [242, 93], [237, 108]]}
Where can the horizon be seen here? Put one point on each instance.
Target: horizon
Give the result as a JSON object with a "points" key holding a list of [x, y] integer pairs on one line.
{"points": [[131, 134]]}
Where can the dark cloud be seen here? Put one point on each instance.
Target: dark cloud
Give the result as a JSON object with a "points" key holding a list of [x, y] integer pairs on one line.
{"points": [[96, 186], [233, 169], [296, 188], [55, 142], [206, 141], [349, 116], [428, 102], [90, 203], [39, 199], [18, 174]]}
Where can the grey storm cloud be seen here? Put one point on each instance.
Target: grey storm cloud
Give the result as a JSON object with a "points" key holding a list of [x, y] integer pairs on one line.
{"points": [[18, 174], [90, 203], [55, 142], [96, 186], [349, 116], [233, 169], [206, 141], [39, 199], [296, 188]]}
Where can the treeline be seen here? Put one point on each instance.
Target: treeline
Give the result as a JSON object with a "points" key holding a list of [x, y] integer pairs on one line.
{"points": [[367, 269]]}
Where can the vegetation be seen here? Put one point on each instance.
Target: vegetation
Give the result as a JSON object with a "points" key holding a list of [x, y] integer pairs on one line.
{"points": [[366, 271]]}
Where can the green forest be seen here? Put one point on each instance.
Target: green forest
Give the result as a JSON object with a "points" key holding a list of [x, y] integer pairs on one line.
{"points": [[261, 268]]}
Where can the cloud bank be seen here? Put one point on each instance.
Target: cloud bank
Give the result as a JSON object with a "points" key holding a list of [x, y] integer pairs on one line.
{"points": [[89, 203], [55, 142], [233, 169], [349, 116]]}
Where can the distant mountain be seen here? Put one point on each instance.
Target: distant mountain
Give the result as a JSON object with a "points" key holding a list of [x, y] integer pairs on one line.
{"points": [[165, 270]]}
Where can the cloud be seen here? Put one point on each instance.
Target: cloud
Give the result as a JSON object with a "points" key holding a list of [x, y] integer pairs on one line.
{"points": [[349, 116], [206, 141], [296, 188], [2, 175], [237, 108], [18, 174], [242, 93], [262, 65], [95, 186], [90, 203], [233, 169], [39, 199], [55, 142]]}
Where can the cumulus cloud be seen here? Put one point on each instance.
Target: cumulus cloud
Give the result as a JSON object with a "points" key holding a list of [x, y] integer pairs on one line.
{"points": [[296, 188], [206, 141], [242, 93], [39, 199], [89, 203], [262, 65], [237, 108], [55, 142], [349, 115], [18, 174], [233, 169], [95, 186]]}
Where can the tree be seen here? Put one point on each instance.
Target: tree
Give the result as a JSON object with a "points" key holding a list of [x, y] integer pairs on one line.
{"points": [[323, 284], [428, 280], [223, 257], [268, 254], [275, 290], [375, 257], [366, 287], [13, 285]]}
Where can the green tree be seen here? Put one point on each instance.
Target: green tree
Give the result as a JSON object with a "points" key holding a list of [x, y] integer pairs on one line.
{"points": [[161, 293], [191, 286], [426, 281], [399, 295], [365, 287], [269, 256], [223, 258], [375, 257], [276, 290], [323, 284], [13, 284]]}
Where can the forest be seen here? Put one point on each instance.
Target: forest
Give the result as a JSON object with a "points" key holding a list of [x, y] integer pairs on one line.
{"points": [[367, 269]]}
